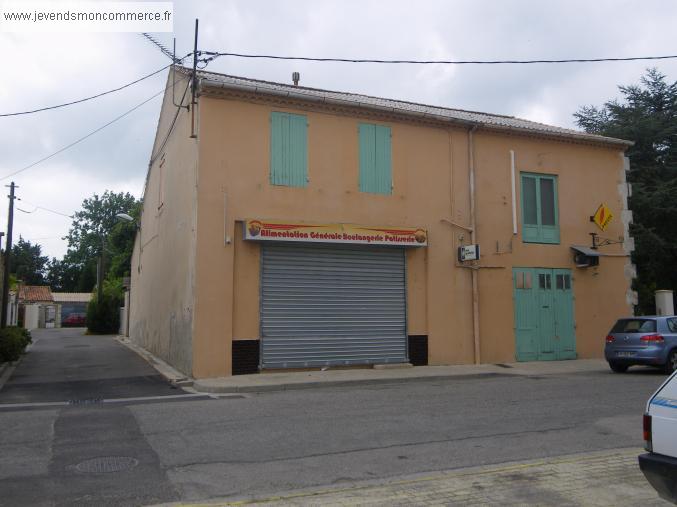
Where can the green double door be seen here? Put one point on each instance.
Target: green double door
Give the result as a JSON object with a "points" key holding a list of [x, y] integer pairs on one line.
{"points": [[544, 314]]}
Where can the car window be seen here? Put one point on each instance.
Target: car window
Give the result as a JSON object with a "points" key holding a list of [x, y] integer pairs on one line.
{"points": [[672, 325], [635, 326]]}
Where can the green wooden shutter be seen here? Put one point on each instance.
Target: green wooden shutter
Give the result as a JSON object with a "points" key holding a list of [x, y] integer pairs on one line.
{"points": [[288, 149], [547, 190], [375, 159], [530, 228]]}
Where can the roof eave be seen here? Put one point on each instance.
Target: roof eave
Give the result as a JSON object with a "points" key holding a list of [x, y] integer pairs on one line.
{"points": [[257, 90]]}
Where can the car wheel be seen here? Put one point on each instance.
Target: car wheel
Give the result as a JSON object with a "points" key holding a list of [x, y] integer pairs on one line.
{"points": [[618, 367], [671, 365]]}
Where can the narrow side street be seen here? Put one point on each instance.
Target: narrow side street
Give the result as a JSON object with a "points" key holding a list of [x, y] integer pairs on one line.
{"points": [[84, 451], [67, 365]]}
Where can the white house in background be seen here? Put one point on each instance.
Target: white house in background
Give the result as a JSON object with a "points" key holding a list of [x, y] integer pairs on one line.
{"points": [[37, 307]]}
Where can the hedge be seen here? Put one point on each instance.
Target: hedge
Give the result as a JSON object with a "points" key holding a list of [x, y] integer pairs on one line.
{"points": [[13, 343]]}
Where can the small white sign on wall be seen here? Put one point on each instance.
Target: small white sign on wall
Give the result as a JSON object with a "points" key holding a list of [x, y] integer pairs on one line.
{"points": [[468, 253]]}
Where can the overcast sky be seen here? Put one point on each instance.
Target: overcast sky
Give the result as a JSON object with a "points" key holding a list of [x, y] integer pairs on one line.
{"points": [[46, 69]]}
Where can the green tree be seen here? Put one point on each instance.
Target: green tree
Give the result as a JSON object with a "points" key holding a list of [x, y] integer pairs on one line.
{"points": [[103, 316], [647, 115], [96, 220], [63, 276], [27, 262], [121, 244], [95, 228]]}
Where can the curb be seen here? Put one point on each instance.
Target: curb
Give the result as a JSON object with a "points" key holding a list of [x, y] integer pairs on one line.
{"points": [[6, 370], [174, 376], [201, 386]]}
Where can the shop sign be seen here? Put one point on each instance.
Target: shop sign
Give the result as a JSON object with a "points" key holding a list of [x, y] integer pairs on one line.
{"points": [[274, 230], [602, 216]]}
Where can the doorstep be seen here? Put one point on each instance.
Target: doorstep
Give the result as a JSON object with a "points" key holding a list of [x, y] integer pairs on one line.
{"points": [[283, 381]]}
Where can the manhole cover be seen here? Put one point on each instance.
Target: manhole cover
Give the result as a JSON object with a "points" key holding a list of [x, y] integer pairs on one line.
{"points": [[107, 464]]}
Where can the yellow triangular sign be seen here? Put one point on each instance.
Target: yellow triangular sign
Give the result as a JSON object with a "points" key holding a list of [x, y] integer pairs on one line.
{"points": [[602, 216]]}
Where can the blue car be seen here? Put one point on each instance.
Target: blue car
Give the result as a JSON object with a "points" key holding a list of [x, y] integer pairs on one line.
{"points": [[650, 341]]}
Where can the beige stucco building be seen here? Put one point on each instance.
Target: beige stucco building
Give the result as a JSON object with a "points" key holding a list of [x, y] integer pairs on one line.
{"points": [[290, 227]]}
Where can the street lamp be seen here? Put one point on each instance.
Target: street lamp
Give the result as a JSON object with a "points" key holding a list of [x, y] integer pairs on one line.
{"points": [[124, 217]]}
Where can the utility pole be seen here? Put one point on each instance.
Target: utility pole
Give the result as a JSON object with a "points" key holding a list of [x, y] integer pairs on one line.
{"points": [[99, 273], [8, 251], [194, 86]]}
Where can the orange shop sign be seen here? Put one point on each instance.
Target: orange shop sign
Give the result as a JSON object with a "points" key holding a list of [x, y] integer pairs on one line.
{"points": [[275, 230]]}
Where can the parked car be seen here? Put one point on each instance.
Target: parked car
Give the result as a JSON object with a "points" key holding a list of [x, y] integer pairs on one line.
{"points": [[75, 320], [650, 341], [659, 465]]}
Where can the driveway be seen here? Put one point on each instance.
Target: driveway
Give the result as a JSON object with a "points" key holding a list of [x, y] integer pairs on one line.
{"points": [[67, 365]]}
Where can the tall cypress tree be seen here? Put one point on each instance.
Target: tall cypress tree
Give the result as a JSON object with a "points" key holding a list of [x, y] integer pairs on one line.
{"points": [[647, 115]]}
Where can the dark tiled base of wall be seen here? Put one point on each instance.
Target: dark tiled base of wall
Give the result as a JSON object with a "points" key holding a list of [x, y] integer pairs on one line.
{"points": [[246, 354], [418, 350], [245, 357]]}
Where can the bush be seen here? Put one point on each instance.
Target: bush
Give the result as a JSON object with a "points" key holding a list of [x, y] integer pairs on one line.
{"points": [[103, 317], [13, 343]]}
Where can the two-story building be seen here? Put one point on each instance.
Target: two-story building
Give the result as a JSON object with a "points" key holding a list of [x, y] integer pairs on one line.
{"points": [[292, 227]]}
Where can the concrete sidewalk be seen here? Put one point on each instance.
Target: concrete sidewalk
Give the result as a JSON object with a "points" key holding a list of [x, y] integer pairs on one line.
{"points": [[385, 374], [331, 378]]}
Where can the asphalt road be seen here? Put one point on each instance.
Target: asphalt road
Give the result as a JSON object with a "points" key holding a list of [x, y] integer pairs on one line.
{"points": [[193, 449], [67, 365]]}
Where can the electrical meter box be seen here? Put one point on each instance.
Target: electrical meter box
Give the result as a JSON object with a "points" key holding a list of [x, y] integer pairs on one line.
{"points": [[468, 253]]}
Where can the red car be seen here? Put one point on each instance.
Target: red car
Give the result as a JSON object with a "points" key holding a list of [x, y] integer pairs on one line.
{"points": [[74, 319]]}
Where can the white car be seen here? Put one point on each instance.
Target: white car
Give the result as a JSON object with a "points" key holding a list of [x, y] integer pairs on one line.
{"points": [[660, 439]]}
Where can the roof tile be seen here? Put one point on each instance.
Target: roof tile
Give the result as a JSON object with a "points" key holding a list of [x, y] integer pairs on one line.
{"points": [[35, 293]]}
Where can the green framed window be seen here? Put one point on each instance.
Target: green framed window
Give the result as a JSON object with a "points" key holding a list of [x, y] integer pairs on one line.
{"points": [[288, 149], [540, 215], [375, 159]]}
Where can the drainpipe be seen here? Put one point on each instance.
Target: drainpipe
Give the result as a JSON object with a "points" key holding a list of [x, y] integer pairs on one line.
{"points": [[512, 188], [473, 240]]}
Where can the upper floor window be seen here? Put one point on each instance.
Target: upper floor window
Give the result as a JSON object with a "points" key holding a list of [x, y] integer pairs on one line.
{"points": [[540, 218], [375, 159], [288, 149]]}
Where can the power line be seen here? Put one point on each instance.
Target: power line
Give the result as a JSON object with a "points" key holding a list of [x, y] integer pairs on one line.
{"points": [[86, 136], [93, 96], [213, 55], [39, 239], [41, 208], [171, 127]]}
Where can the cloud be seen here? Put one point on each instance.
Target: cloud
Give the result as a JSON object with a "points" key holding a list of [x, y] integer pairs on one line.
{"points": [[61, 188]]}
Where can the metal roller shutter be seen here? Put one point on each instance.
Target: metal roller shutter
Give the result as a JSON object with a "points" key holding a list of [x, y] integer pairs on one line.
{"points": [[332, 305]]}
